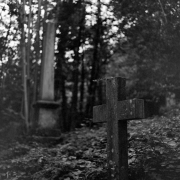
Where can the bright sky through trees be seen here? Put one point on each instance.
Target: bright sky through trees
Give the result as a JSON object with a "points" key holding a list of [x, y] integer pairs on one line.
{"points": [[106, 13]]}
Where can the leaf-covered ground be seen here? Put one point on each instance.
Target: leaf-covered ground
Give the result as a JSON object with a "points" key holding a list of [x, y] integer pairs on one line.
{"points": [[154, 153]]}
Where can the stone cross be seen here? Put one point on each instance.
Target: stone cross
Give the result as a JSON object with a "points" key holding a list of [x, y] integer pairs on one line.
{"points": [[116, 112]]}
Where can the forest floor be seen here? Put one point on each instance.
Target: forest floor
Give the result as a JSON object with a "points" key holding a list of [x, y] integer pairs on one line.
{"points": [[154, 153]]}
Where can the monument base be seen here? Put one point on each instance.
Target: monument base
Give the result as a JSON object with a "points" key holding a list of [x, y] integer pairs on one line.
{"points": [[47, 118]]}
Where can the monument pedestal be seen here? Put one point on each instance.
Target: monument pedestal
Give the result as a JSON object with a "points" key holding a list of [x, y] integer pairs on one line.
{"points": [[47, 114], [47, 127]]}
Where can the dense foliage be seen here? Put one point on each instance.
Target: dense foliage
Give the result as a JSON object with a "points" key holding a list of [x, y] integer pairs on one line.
{"points": [[151, 46]]}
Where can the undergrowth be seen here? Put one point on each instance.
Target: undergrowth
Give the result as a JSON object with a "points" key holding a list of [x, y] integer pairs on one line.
{"points": [[154, 153]]}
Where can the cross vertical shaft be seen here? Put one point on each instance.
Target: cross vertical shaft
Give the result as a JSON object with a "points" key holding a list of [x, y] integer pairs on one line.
{"points": [[116, 131]]}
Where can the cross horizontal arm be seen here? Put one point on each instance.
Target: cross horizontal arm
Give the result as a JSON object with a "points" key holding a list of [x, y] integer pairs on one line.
{"points": [[99, 113], [126, 110], [130, 109]]}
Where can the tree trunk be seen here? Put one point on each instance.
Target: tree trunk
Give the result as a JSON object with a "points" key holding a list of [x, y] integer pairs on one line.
{"points": [[60, 80], [1, 86], [38, 57], [24, 69], [28, 60], [74, 104], [95, 72], [81, 107]]}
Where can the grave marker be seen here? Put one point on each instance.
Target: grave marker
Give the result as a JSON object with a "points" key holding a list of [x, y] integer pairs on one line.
{"points": [[46, 104], [116, 112]]}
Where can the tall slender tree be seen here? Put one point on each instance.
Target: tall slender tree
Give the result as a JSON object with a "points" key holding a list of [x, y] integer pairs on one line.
{"points": [[24, 67], [77, 60], [28, 58], [95, 66]]}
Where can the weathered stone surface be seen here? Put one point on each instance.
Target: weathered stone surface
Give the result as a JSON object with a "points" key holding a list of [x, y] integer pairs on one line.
{"points": [[99, 113], [126, 110], [47, 118], [47, 67], [116, 112]]}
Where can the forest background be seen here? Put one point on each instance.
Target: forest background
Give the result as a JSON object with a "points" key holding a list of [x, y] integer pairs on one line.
{"points": [[139, 40]]}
